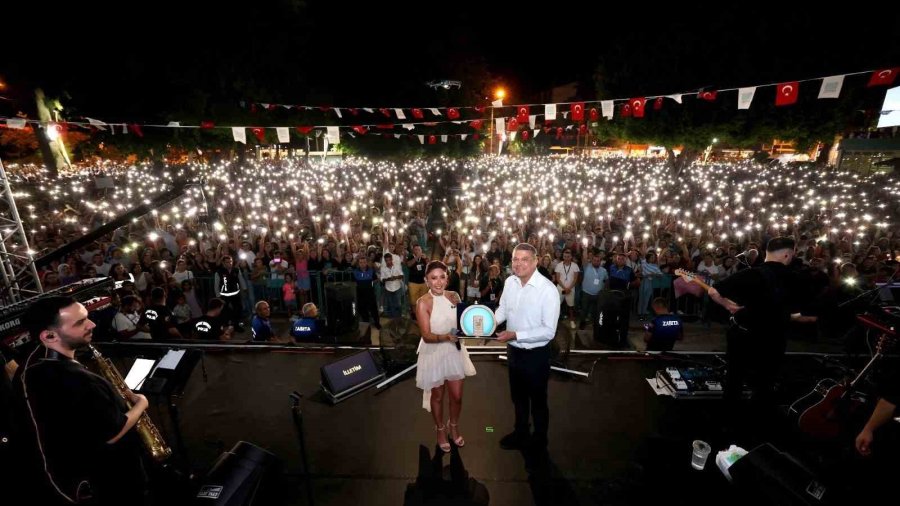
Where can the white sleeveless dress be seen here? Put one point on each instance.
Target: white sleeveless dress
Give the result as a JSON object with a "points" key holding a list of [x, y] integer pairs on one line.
{"points": [[439, 362]]}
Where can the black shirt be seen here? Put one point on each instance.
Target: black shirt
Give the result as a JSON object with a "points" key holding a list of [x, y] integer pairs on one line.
{"points": [[76, 412], [159, 319], [417, 271], [769, 296], [207, 327], [230, 280]]}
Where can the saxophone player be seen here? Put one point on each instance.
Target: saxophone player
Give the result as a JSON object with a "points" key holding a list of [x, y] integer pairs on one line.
{"points": [[75, 438]]}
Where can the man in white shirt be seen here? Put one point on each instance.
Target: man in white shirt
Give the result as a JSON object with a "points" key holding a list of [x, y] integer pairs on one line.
{"points": [[566, 276], [530, 307], [391, 274], [126, 321]]}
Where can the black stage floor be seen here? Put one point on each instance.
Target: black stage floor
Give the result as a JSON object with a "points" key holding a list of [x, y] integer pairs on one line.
{"points": [[612, 440]]}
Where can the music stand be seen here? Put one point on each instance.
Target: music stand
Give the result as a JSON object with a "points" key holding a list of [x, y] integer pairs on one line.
{"points": [[168, 381]]}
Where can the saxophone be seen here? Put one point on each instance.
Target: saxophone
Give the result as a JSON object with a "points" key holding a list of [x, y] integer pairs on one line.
{"points": [[151, 438]]}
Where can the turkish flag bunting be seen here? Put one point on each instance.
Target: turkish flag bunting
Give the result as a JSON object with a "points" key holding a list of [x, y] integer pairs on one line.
{"points": [[417, 113], [304, 129], [626, 110], [883, 77], [206, 125], [522, 114], [594, 114], [453, 113], [260, 133], [271, 107], [385, 126], [709, 96], [354, 111], [637, 107], [253, 108], [525, 135], [657, 104], [546, 130], [477, 124], [787, 93], [137, 130], [582, 129], [559, 133], [512, 125], [324, 108], [386, 135], [432, 139], [361, 130], [479, 109], [386, 112], [578, 111]]}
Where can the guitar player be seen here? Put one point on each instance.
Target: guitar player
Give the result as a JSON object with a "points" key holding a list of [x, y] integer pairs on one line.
{"points": [[762, 300], [885, 411]]}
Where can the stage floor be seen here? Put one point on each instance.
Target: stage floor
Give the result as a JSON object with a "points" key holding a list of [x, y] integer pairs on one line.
{"points": [[612, 440]]}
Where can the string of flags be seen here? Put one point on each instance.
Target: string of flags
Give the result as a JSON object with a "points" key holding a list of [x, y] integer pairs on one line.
{"points": [[787, 93]]}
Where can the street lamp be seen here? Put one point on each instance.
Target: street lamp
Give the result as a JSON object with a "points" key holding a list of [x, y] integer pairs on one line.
{"points": [[499, 94]]}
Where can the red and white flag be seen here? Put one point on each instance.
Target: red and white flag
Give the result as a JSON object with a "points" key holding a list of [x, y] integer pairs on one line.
{"points": [[578, 111], [883, 77], [522, 114], [787, 93], [637, 107]]}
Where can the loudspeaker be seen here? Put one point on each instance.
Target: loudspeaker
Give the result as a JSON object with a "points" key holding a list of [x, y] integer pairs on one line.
{"points": [[350, 375], [613, 313], [777, 478], [237, 477], [340, 307]]}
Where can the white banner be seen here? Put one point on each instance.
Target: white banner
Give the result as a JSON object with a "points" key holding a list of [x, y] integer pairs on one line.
{"points": [[421, 139], [745, 97], [400, 114], [500, 124], [607, 108], [550, 112], [444, 139], [239, 134], [531, 118], [283, 134], [333, 134], [831, 87]]}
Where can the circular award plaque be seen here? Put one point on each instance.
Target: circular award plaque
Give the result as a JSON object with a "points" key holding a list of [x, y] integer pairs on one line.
{"points": [[478, 321]]}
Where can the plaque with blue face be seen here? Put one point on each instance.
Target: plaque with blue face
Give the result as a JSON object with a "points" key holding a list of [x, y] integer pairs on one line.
{"points": [[478, 321]]}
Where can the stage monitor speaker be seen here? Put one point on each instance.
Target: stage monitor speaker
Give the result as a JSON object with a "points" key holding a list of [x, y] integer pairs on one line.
{"points": [[774, 477], [340, 307], [350, 375], [238, 478]]}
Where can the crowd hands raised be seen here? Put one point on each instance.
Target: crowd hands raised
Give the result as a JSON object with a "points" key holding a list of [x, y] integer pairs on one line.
{"points": [[278, 221]]}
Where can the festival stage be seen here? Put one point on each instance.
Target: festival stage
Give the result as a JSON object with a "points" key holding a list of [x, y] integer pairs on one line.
{"points": [[612, 439]]}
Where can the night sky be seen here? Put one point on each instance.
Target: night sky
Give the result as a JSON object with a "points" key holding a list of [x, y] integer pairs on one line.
{"points": [[171, 56]]}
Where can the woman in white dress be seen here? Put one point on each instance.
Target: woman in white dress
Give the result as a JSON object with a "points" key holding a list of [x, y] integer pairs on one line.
{"points": [[443, 362]]}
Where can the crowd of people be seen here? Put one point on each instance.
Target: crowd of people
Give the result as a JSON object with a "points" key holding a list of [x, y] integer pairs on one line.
{"points": [[278, 231]]}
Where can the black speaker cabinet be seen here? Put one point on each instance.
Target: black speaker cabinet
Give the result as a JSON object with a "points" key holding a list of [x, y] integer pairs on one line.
{"points": [[340, 307], [238, 478], [350, 375]]}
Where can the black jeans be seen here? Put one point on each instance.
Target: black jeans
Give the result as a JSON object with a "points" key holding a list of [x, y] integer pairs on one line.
{"points": [[529, 372], [233, 310]]}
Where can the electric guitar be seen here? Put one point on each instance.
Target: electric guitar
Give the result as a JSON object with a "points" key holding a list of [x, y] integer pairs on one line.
{"points": [[692, 277], [837, 402]]}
